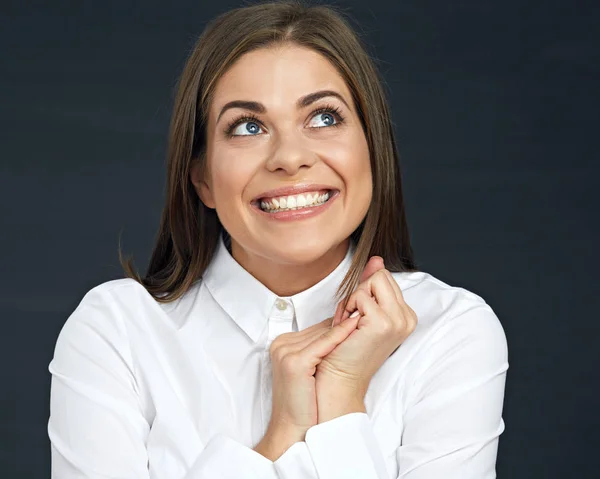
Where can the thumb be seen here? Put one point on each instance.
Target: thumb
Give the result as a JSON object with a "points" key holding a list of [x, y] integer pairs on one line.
{"points": [[374, 264]]}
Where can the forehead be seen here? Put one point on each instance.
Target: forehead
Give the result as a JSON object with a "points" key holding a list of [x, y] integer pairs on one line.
{"points": [[277, 77]]}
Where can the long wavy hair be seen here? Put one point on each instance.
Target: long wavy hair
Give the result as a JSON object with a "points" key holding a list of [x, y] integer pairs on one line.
{"points": [[189, 231]]}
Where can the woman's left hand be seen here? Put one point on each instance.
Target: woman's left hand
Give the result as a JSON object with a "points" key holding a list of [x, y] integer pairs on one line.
{"points": [[384, 321]]}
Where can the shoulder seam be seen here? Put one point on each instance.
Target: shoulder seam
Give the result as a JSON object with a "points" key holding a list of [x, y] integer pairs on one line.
{"points": [[107, 294]]}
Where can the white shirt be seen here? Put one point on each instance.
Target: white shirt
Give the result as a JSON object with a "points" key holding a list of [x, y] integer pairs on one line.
{"points": [[182, 390]]}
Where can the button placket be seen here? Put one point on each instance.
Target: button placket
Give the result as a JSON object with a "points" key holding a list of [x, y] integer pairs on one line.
{"points": [[280, 321]]}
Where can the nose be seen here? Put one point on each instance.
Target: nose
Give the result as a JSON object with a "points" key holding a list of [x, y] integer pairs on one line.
{"points": [[290, 155]]}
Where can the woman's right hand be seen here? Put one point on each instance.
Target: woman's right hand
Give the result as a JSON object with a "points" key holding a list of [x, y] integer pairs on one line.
{"points": [[294, 358]]}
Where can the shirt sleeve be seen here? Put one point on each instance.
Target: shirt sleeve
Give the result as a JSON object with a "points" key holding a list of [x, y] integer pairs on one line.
{"points": [[451, 426], [97, 428], [454, 417]]}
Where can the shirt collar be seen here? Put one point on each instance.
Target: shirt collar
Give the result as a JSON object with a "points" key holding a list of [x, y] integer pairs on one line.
{"points": [[249, 302]]}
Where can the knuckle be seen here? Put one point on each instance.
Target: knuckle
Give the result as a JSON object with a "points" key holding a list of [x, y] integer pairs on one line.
{"points": [[289, 362], [409, 322], [275, 354], [361, 288], [385, 327], [282, 339], [401, 327], [277, 351], [411, 316], [361, 293], [277, 341], [327, 333], [378, 276], [413, 324], [383, 274]]}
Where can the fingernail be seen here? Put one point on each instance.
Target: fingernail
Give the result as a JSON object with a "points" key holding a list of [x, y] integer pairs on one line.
{"points": [[354, 314]]}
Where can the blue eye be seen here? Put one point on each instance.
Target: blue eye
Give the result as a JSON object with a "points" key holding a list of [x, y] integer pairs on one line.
{"points": [[329, 114], [326, 116], [251, 126]]}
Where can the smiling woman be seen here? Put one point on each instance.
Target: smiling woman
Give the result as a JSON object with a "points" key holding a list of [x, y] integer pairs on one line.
{"points": [[282, 328], [296, 144], [299, 80]]}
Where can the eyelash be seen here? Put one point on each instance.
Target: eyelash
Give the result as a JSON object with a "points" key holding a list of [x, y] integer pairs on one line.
{"points": [[250, 117]]}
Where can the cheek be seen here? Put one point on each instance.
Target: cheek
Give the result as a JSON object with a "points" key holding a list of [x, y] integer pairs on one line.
{"points": [[231, 173], [359, 178], [350, 160]]}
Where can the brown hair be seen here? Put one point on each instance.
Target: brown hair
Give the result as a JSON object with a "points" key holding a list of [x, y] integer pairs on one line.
{"points": [[189, 231]]}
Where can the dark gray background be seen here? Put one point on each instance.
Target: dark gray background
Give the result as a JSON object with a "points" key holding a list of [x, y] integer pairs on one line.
{"points": [[495, 105]]}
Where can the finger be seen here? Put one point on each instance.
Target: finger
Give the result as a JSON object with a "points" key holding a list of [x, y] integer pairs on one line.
{"points": [[326, 342], [379, 287], [407, 312], [362, 302], [364, 286], [395, 287], [294, 337], [383, 292], [374, 264], [338, 313], [296, 342]]}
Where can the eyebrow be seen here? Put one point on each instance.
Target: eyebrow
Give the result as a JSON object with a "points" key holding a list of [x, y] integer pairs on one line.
{"points": [[303, 102]]}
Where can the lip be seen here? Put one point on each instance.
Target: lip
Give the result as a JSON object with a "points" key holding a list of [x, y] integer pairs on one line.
{"points": [[293, 190], [301, 214]]}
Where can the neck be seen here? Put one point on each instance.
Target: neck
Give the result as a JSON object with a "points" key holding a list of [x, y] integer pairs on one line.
{"points": [[286, 279]]}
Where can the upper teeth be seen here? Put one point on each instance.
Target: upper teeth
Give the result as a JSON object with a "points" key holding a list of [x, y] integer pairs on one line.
{"points": [[294, 201]]}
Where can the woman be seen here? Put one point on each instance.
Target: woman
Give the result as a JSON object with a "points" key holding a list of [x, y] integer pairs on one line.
{"points": [[283, 328]]}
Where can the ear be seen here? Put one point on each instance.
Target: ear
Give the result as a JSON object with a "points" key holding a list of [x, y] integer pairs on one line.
{"points": [[201, 185]]}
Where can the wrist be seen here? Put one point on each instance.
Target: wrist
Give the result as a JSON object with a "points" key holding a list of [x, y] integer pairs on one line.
{"points": [[277, 440], [333, 406]]}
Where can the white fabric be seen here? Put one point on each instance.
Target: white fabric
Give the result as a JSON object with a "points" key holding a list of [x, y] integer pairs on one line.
{"points": [[142, 389]]}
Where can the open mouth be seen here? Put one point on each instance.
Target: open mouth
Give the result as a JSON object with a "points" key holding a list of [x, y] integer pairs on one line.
{"points": [[309, 199]]}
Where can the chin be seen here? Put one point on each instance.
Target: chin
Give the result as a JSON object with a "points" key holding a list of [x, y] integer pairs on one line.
{"points": [[299, 251]]}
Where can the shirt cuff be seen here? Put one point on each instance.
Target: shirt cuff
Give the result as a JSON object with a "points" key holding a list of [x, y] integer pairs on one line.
{"points": [[346, 446], [296, 463], [228, 459]]}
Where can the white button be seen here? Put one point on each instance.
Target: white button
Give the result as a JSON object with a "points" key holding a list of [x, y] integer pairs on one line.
{"points": [[281, 304]]}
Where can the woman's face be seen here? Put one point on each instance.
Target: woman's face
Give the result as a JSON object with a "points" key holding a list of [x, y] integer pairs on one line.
{"points": [[288, 168]]}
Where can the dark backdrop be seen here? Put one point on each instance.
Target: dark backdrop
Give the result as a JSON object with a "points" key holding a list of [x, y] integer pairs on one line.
{"points": [[495, 106]]}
